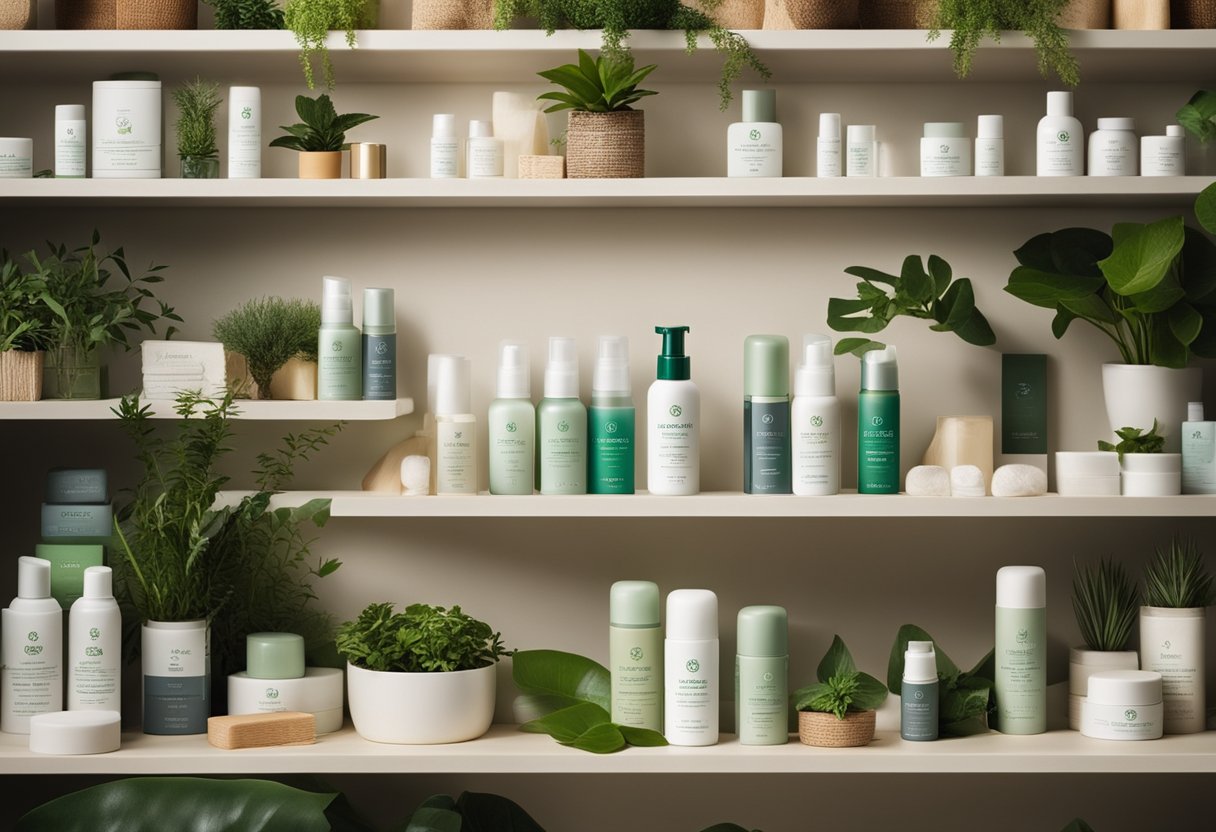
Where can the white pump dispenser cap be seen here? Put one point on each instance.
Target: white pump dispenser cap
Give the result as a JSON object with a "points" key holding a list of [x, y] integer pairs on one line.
{"points": [[612, 366], [1194, 411], [829, 125], [990, 127], [692, 615], [98, 582], [33, 577], [433, 360], [1021, 587], [920, 662], [452, 396], [335, 301], [816, 376], [561, 373], [480, 129], [514, 371], [443, 126], [1059, 103]]}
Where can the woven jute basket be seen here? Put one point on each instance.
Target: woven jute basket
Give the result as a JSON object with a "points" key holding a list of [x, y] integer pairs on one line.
{"points": [[1193, 14], [84, 14], [896, 14], [810, 14], [606, 145], [452, 14], [734, 14], [541, 167], [826, 731], [1085, 14], [156, 14], [18, 14], [21, 376]]}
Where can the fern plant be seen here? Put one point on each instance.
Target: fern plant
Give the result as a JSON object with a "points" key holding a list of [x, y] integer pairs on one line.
{"points": [[599, 85], [269, 332], [1177, 578], [1105, 603], [311, 21], [246, 14], [973, 20], [421, 639], [197, 102]]}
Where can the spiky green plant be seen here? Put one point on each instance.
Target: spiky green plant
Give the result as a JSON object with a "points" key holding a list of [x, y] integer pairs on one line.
{"points": [[596, 85], [970, 21], [1105, 603], [1177, 578], [269, 332], [197, 102]]}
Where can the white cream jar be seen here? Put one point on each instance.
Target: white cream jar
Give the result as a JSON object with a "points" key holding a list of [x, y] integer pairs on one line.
{"points": [[1123, 705]]}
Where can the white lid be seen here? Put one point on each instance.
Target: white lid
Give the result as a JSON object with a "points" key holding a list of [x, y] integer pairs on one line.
{"points": [[480, 129], [443, 126], [1087, 464], [514, 371], [561, 373], [69, 112], [692, 615], [335, 301], [99, 582], [1021, 587], [1059, 103], [1175, 130], [432, 375], [247, 93], [612, 366], [829, 125], [990, 127], [1124, 687], [75, 732], [861, 132], [452, 383], [920, 662], [944, 130], [1116, 124], [1194, 411], [33, 577], [816, 375]]}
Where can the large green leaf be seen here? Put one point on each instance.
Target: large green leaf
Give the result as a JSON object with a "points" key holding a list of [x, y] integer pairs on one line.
{"points": [[1078, 251], [942, 274], [604, 738], [1205, 205], [857, 346], [568, 724], [484, 812], [1205, 345], [1198, 116], [837, 661], [1092, 308], [1185, 322], [872, 275], [438, 813], [1141, 259], [895, 664], [552, 679], [182, 804], [870, 693], [642, 737], [1197, 267], [1048, 289], [956, 305], [1165, 349], [915, 281]]}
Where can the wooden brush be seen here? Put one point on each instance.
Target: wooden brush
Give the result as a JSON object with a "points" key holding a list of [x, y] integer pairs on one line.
{"points": [[261, 730]]}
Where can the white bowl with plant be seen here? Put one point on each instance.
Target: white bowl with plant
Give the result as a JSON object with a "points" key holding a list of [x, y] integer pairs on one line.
{"points": [[1105, 603]]}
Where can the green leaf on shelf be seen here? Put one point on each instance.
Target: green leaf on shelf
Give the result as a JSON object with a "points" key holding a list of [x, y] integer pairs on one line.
{"points": [[552, 679], [568, 724], [604, 738], [642, 737]]}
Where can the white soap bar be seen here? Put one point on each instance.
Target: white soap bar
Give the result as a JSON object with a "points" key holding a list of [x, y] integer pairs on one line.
{"points": [[1019, 481], [967, 481], [928, 481], [75, 732], [416, 476]]}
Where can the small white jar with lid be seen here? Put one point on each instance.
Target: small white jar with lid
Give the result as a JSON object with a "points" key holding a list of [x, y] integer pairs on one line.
{"points": [[1164, 155], [990, 146], [1123, 705], [945, 150], [1112, 148]]}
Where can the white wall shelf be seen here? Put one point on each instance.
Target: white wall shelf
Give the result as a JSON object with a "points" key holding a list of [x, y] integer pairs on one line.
{"points": [[250, 410], [506, 750], [692, 192], [884, 56], [738, 505]]}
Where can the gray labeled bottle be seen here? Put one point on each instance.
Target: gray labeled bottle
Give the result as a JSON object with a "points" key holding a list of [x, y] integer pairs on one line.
{"points": [[766, 415], [919, 693], [379, 345]]}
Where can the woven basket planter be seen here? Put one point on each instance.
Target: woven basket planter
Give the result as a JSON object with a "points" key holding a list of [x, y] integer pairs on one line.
{"points": [[126, 14], [1193, 14], [21, 376], [810, 14], [826, 731], [606, 145], [1086, 14], [734, 14], [18, 14], [84, 14], [896, 14], [452, 14]]}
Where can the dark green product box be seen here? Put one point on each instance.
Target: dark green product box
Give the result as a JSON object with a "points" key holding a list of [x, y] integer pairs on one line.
{"points": [[1024, 404]]}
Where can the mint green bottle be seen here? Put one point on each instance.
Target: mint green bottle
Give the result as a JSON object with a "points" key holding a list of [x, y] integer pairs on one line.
{"points": [[339, 347], [561, 424], [878, 424], [762, 669], [511, 421], [611, 423], [1020, 683], [635, 652]]}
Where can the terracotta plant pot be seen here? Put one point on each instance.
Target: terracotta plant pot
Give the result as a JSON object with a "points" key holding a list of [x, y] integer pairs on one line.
{"points": [[606, 145], [21, 375], [826, 731], [810, 14], [324, 165], [1086, 14], [1193, 14], [18, 14]]}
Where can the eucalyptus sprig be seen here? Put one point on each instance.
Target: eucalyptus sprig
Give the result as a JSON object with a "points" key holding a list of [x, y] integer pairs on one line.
{"points": [[1177, 578], [970, 21], [1105, 603], [197, 102], [1135, 441], [841, 688]]}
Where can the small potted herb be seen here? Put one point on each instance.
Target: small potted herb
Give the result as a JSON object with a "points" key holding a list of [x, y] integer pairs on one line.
{"points": [[1105, 602], [24, 333], [320, 137], [278, 340], [197, 102], [838, 710], [605, 136], [422, 676], [1146, 471]]}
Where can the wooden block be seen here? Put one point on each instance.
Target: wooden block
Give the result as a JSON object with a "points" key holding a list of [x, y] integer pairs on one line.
{"points": [[260, 730], [542, 167]]}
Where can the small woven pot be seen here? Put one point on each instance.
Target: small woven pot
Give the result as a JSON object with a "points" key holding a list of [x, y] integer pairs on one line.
{"points": [[21, 376], [810, 14], [606, 145], [1085, 14], [156, 14], [826, 731], [322, 165], [452, 14], [1193, 14], [734, 14], [896, 14], [85, 14], [542, 167], [18, 14], [1148, 15]]}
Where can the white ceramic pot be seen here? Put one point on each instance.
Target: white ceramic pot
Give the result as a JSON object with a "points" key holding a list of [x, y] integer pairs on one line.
{"points": [[1151, 475], [1172, 644], [1082, 664], [1136, 394], [421, 708]]}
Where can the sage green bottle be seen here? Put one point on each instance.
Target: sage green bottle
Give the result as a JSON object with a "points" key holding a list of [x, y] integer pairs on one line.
{"points": [[762, 670], [512, 424], [561, 424], [635, 651], [339, 347], [1020, 687], [878, 424]]}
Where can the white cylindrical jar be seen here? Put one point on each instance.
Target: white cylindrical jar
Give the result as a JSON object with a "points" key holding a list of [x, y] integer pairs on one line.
{"points": [[1112, 148], [71, 137], [16, 158], [445, 147], [990, 146], [1172, 644], [176, 657], [1082, 664], [945, 150], [317, 692], [484, 152], [1164, 155], [127, 129], [1087, 474], [861, 152], [690, 662], [1123, 705], [244, 133]]}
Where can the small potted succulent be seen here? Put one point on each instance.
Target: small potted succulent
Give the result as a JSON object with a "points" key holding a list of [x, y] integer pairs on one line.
{"points": [[277, 338], [24, 333], [1105, 602], [838, 710], [197, 102], [1145, 470], [605, 136], [320, 136], [422, 676]]}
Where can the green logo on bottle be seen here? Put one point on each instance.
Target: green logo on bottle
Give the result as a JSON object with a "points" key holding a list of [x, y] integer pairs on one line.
{"points": [[33, 636], [272, 693], [876, 421], [635, 653], [336, 346], [124, 125], [1023, 636], [94, 633], [610, 427], [768, 677], [1063, 136], [676, 410], [512, 427], [817, 421], [754, 135], [693, 665], [563, 426], [246, 113], [1130, 714]]}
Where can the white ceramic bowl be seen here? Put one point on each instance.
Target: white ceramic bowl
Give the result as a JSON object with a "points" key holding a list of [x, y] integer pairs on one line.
{"points": [[421, 708]]}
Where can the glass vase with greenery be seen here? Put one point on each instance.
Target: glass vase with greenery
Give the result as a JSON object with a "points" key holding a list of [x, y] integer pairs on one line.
{"points": [[970, 21], [269, 332], [197, 102]]}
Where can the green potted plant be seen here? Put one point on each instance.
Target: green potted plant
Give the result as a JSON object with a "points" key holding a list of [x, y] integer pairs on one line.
{"points": [[24, 333], [1198, 117], [197, 102], [1151, 289], [838, 710], [320, 136], [277, 338], [1145, 471], [247, 14], [422, 676], [970, 21], [1105, 603], [311, 21], [605, 136]]}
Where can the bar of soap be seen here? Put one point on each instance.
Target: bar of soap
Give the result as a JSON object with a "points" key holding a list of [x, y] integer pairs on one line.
{"points": [[967, 481], [415, 476], [261, 730], [1019, 481], [928, 481]]}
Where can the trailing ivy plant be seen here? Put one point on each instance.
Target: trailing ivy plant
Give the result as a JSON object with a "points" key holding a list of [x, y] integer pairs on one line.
{"points": [[1135, 441], [269, 332], [1177, 578], [422, 639], [311, 21], [1198, 115], [970, 21], [842, 688], [932, 295], [1105, 603], [247, 14], [965, 697]]}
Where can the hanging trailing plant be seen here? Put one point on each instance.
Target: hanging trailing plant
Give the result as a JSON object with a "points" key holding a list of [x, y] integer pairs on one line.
{"points": [[311, 21], [973, 20]]}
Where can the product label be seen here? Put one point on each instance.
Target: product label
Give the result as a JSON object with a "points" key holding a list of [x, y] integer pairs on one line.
{"points": [[611, 451], [1024, 404], [762, 700], [637, 661], [675, 455], [177, 670], [563, 451], [444, 156], [878, 443], [1112, 154], [1199, 458], [989, 157], [485, 158], [1181, 682], [691, 701], [816, 451], [339, 365], [69, 149], [512, 450], [861, 158], [1130, 723], [827, 162], [245, 144], [1021, 675], [1060, 153], [766, 446], [379, 367], [944, 157], [755, 151], [15, 166], [918, 711], [32, 674], [1163, 158], [94, 672], [126, 138], [455, 457]]}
